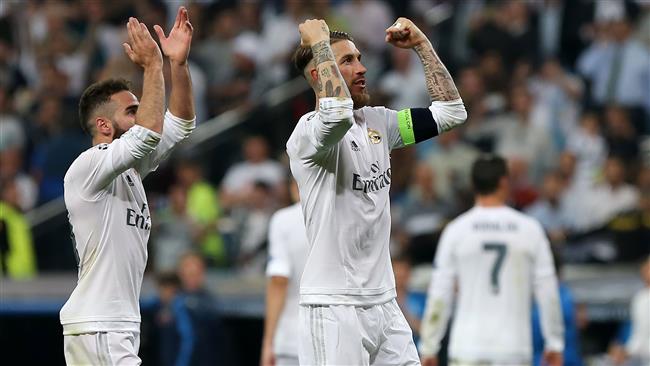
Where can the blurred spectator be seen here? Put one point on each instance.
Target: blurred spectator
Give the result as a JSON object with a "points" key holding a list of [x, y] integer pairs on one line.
{"points": [[11, 164], [589, 148], [560, 94], [404, 84], [203, 209], [175, 231], [17, 259], [173, 323], [621, 136], [12, 134], [209, 346], [614, 195], [617, 66], [548, 209], [257, 166], [451, 160], [254, 220]]}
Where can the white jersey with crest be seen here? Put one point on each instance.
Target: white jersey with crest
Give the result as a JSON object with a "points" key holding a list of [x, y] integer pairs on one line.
{"points": [[498, 258], [343, 173], [111, 222], [288, 250]]}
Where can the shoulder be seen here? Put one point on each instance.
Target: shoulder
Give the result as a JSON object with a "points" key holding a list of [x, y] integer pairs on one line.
{"points": [[528, 222], [284, 216], [85, 160]]}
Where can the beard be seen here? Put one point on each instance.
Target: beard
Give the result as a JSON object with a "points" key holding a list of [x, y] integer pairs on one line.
{"points": [[118, 132], [361, 99]]}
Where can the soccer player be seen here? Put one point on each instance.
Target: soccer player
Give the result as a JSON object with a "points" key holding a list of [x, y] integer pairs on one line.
{"points": [[497, 258], [288, 250], [340, 157], [106, 202]]}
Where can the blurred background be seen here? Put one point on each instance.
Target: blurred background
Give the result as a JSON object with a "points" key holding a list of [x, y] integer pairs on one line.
{"points": [[560, 88]]}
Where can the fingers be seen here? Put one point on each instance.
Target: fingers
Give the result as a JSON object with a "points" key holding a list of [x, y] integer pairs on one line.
{"points": [[128, 50], [189, 27], [159, 32], [179, 15]]}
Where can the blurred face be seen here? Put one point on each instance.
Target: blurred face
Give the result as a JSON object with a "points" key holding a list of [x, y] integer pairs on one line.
{"points": [[614, 171], [521, 100], [256, 150], [552, 187], [348, 59], [192, 273], [178, 199]]}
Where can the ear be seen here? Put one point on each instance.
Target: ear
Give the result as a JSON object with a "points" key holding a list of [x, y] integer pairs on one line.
{"points": [[313, 73], [104, 126]]}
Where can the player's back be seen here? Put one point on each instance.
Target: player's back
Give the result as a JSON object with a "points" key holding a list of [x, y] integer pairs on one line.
{"points": [[494, 249]]}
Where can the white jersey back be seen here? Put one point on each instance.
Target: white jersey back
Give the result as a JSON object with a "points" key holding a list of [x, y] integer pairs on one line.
{"points": [[497, 256], [344, 194], [111, 223], [288, 251]]}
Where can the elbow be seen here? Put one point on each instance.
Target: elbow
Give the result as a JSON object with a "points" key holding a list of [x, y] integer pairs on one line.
{"points": [[448, 115]]}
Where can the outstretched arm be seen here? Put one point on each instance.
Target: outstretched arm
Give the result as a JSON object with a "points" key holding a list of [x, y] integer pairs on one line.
{"points": [[179, 119], [440, 85], [177, 48], [329, 82]]}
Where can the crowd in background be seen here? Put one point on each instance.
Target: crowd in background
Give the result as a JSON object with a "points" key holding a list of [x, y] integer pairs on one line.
{"points": [[559, 88]]}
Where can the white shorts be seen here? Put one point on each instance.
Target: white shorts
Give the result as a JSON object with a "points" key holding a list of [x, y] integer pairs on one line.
{"points": [[102, 348], [355, 335]]}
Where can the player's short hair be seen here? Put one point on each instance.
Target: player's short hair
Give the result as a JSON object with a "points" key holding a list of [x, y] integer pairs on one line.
{"points": [[303, 55], [487, 171], [97, 95]]}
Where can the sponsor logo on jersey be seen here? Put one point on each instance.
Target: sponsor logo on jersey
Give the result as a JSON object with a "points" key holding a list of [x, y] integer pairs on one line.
{"points": [[139, 220], [378, 180], [102, 146], [374, 136], [130, 181], [354, 146]]}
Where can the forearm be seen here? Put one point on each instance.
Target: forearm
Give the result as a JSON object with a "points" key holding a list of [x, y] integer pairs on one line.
{"points": [[548, 299], [275, 298], [440, 84], [181, 99], [330, 83], [152, 105]]}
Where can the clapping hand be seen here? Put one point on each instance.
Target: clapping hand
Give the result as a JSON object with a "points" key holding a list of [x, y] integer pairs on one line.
{"points": [[141, 48], [176, 46]]}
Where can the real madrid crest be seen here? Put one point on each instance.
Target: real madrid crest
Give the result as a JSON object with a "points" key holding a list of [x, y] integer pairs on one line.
{"points": [[374, 136]]}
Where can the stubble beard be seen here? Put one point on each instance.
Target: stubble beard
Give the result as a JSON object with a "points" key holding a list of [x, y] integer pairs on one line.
{"points": [[361, 100]]}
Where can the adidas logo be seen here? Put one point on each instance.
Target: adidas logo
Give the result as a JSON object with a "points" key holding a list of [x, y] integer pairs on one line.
{"points": [[355, 147]]}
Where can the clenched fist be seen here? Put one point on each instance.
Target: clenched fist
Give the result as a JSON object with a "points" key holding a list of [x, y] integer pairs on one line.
{"points": [[404, 34], [313, 31]]}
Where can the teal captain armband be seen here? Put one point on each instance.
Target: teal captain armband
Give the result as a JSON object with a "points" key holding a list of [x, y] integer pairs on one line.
{"points": [[405, 124]]}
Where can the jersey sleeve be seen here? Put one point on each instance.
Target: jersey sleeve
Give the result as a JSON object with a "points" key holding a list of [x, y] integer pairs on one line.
{"points": [[106, 161], [319, 132], [279, 263], [547, 293], [440, 295], [175, 130], [412, 125]]}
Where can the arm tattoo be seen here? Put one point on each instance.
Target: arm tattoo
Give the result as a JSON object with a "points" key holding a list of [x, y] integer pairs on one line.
{"points": [[440, 84], [330, 83]]}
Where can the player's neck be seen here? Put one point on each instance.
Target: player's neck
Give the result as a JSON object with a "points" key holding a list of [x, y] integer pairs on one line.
{"points": [[492, 200], [101, 139]]}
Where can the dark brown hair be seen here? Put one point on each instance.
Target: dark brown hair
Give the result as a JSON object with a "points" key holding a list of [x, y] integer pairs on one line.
{"points": [[487, 171], [303, 55], [97, 95]]}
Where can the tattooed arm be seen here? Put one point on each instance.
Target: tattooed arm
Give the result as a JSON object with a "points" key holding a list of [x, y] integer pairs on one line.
{"points": [[327, 78], [446, 110], [440, 85]]}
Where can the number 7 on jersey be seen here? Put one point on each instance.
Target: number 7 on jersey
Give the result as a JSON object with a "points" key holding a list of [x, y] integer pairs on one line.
{"points": [[501, 251]]}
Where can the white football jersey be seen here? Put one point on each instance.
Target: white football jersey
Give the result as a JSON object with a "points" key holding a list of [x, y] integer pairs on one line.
{"points": [[344, 195], [288, 250], [111, 222], [498, 258]]}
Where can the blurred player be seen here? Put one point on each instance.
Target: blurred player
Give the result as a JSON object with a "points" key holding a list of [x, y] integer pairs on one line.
{"points": [[498, 258], [106, 202], [288, 250], [340, 157]]}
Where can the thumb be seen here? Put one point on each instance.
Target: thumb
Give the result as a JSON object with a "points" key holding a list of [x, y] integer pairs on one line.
{"points": [[128, 50], [159, 32]]}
